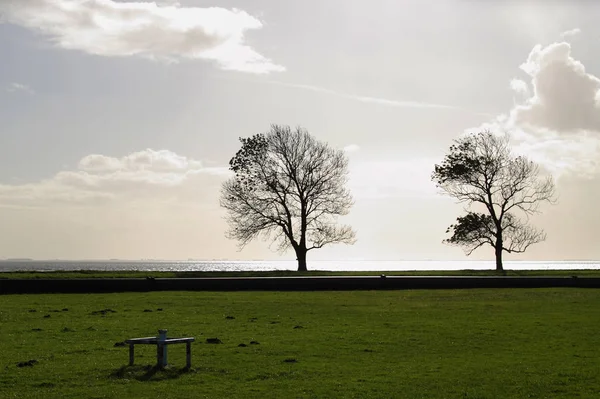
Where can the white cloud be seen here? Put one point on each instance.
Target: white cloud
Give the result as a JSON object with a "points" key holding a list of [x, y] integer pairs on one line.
{"points": [[19, 87], [372, 100], [396, 103], [570, 33], [520, 87], [558, 122], [145, 29], [576, 154], [148, 160], [145, 175], [99, 163], [564, 97], [351, 148]]}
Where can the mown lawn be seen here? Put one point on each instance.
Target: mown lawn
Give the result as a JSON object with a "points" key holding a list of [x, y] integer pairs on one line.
{"points": [[484, 343]]}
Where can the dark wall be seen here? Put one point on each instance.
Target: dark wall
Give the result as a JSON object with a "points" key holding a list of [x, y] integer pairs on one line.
{"points": [[22, 286]]}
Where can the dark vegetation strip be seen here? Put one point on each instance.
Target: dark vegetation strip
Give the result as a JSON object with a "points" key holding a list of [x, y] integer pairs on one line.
{"points": [[315, 283], [285, 273]]}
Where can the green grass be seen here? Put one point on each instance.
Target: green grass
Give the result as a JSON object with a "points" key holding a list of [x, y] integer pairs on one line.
{"points": [[482, 343], [143, 274]]}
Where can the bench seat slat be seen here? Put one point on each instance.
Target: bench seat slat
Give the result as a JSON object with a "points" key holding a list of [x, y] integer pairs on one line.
{"points": [[146, 340], [154, 340], [178, 340]]}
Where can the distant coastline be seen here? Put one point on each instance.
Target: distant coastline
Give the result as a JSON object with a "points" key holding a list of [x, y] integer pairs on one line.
{"points": [[21, 264]]}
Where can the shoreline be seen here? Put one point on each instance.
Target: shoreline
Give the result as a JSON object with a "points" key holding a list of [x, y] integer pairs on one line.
{"points": [[86, 273]]}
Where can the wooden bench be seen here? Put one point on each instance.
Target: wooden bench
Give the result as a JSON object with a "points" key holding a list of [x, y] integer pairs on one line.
{"points": [[161, 343]]}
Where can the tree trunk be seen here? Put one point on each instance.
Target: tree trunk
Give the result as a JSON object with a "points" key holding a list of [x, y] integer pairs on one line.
{"points": [[498, 249], [301, 256]]}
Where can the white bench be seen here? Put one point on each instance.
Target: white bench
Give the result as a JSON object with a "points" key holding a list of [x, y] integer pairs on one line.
{"points": [[161, 342]]}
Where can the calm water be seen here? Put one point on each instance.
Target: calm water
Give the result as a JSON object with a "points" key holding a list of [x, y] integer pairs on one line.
{"points": [[361, 265]]}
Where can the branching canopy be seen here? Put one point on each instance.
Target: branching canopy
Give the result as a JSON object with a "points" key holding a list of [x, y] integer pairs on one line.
{"points": [[480, 169], [288, 187], [477, 229]]}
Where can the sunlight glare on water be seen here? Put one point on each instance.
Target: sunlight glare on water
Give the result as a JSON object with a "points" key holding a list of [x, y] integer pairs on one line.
{"points": [[342, 265]]}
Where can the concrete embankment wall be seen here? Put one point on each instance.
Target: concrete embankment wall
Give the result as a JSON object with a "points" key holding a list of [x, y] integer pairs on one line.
{"points": [[98, 285]]}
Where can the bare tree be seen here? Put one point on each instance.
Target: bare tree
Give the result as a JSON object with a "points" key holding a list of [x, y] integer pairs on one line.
{"points": [[480, 169], [288, 187]]}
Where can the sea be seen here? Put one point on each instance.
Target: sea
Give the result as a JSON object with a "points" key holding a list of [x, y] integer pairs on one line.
{"points": [[324, 265]]}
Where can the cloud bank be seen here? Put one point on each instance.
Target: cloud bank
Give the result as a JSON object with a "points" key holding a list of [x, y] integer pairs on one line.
{"points": [[565, 97], [15, 87], [166, 179], [147, 175], [144, 29], [556, 117]]}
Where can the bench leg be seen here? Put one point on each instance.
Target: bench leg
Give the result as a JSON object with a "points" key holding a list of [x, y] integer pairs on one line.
{"points": [[160, 361], [131, 354], [188, 355]]}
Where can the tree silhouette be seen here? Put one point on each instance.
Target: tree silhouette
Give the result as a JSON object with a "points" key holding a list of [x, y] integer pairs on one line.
{"points": [[480, 169], [288, 187]]}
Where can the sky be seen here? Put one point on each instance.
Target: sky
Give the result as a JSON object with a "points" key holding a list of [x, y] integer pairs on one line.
{"points": [[118, 118]]}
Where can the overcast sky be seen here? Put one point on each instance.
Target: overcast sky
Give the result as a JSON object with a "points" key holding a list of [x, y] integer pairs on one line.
{"points": [[118, 118]]}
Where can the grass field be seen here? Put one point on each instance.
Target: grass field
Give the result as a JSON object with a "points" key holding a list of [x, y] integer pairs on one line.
{"points": [[494, 343]]}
